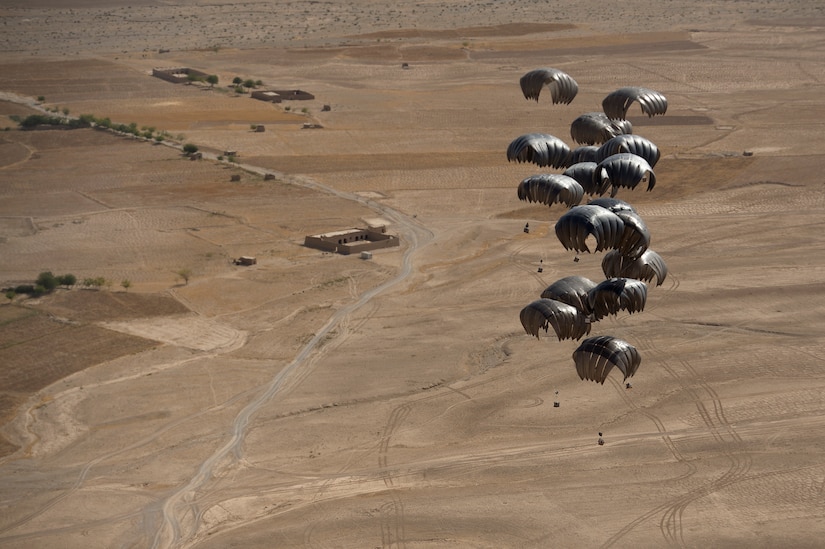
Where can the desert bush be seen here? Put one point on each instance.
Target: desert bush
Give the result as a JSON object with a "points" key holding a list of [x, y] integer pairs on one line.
{"points": [[184, 274], [95, 282]]}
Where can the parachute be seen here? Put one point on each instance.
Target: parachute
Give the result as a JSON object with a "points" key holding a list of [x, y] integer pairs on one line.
{"points": [[635, 237], [539, 148], [551, 188], [612, 204], [566, 320], [562, 87], [596, 356], [616, 104], [583, 173], [635, 144], [616, 294], [646, 267], [571, 290], [579, 222], [624, 170], [585, 153], [595, 127]]}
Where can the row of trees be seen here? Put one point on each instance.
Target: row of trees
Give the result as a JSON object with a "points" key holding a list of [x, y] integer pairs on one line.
{"points": [[89, 120], [34, 120], [47, 282], [241, 85]]}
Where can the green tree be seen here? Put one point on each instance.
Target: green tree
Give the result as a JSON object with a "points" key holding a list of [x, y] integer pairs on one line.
{"points": [[212, 79], [249, 83], [10, 295], [126, 283], [47, 280], [67, 280], [190, 148], [237, 80]]}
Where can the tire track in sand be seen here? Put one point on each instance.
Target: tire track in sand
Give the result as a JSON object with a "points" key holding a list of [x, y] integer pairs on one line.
{"points": [[723, 433]]}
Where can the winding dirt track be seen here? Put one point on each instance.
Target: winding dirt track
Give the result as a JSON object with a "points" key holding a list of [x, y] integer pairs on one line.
{"points": [[180, 506]]}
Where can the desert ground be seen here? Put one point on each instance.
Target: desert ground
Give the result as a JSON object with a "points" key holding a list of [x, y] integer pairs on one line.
{"points": [[325, 400]]}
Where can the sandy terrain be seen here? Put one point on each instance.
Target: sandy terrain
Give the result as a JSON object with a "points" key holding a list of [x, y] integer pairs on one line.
{"points": [[321, 400]]}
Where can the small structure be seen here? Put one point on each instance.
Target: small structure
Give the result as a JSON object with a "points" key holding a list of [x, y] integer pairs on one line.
{"points": [[196, 156], [230, 153], [267, 95], [349, 241], [277, 96], [326, 108], [269, 177], [366, 255], [178, 75], [235, 178], [405, 65], [378, 224], [260, 128], [311, 126], [245, 260]]}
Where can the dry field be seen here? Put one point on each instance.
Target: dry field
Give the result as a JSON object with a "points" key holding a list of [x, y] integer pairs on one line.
{"points": [[319, 400]]}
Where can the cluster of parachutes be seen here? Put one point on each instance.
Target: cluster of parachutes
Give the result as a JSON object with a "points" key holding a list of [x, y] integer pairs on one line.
{"points": [[610, 158]]}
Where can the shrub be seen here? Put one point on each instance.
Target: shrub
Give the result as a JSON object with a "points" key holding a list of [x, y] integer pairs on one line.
{"points": [[190, 148]]}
